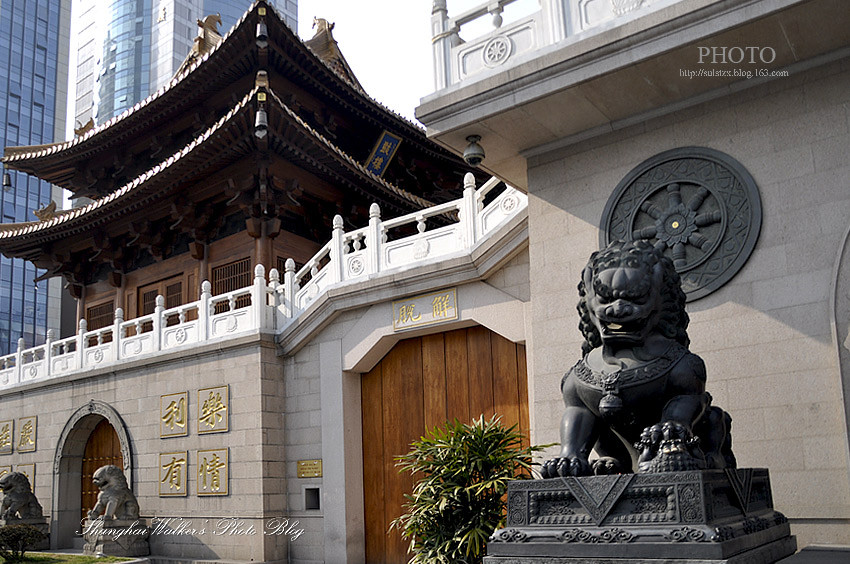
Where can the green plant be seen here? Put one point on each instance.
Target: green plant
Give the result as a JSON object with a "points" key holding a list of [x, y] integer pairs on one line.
{"points": [[15, 539], [462, 473]]}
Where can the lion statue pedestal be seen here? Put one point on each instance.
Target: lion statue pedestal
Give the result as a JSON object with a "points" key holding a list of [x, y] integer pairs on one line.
{"points": [[637, 399], [114, 527], [21, 507]]}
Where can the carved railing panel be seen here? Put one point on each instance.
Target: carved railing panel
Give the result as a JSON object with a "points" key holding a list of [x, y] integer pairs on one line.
{"points": [[381, 248], [465, 45]]}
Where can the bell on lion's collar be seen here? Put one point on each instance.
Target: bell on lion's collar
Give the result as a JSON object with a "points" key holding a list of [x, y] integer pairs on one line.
{"points": [[610, 404]]}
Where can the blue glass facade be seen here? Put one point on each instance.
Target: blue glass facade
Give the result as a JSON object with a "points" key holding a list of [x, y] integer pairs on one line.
{"points": [[232, 10], [125, 72], [29, 53]]}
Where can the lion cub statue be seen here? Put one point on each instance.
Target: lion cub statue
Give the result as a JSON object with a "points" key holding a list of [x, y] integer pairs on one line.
{"points": [[115, 500], [18, 502], [637, 385]]}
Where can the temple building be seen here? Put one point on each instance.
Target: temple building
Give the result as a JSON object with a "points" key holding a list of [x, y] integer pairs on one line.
{"points": [[271, 266], [610, 115]]}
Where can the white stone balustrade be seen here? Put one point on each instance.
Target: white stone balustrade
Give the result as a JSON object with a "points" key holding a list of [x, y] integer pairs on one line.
{"points": [[271, 306], [457, 58]]}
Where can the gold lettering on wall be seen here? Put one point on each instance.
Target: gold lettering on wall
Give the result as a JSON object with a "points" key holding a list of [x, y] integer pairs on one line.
{"points": [[173, 415], [213, 471], [428, 309]]}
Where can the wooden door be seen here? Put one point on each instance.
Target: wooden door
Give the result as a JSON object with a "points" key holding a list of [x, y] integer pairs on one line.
{"points": [[102, 448], [422, 383]]}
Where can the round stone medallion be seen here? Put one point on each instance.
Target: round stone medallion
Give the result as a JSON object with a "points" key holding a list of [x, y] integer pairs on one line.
{"points": [[700, 206], [496, 51]]}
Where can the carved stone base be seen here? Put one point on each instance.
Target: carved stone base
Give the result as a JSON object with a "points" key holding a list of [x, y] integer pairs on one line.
{"points": [[116, 537], [709, 516], [39, 523]]}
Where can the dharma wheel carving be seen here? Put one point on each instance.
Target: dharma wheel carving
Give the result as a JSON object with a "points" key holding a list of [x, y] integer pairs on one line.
{"points": [[700, 206]]}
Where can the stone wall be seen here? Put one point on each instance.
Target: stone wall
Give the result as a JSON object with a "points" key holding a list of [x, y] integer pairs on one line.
{"points": [[766, 336], [252, 371]]}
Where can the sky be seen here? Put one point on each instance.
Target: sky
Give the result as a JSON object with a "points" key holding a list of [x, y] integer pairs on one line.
{"points": [[387, 43]]}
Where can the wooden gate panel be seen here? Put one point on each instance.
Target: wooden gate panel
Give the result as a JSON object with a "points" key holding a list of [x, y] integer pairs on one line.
{"points": [[457, 376], [102, 448], [421, 383], [506, 399], [480, 373], [373, 451], [434, 380]]}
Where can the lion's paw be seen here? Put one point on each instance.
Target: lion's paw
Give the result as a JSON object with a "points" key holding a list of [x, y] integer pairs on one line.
{"points": [[669, 447], [566, 466], [606, 466]]}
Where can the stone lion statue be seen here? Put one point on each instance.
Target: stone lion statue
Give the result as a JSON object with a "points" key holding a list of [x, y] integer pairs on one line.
{"points": [[637, 385], [18, 500], [115, 500]]}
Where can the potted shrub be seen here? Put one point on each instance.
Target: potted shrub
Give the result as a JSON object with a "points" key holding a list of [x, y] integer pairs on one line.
{"points": [[462, 473]]}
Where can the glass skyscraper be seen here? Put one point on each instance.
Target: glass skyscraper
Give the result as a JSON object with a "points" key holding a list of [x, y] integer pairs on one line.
{"points": [[127, 49], [34, 40]]}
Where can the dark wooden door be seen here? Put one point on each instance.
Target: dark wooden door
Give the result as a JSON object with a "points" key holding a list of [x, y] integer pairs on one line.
{"points": [[422, 383], [102, 448]]}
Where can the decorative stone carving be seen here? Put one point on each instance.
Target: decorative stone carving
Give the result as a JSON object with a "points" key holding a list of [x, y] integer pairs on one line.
{"points": [[18, 500], [113, 527], [497, 51], [21, 507], [637, 379], [115, 500], [699, 206], [606, 525], [622, 7]]}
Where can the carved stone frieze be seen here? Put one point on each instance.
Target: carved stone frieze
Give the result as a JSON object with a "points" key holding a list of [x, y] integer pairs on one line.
{"points": [[661, 516], [700, 206]]}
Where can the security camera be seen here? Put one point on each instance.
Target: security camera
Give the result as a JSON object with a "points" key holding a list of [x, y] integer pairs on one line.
{"points": [[474, 153]]}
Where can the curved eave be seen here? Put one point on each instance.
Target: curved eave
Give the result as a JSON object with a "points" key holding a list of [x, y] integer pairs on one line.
{"points": [[173, 96], [323, 152], [24, 240], [298, 142], [182, 91]]}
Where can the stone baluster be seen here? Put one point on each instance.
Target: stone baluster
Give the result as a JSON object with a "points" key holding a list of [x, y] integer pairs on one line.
{"points": [[274, 284], [117, 333], [374, 239], [81, 343], [443, 36], [556, 20], [336, 262], [48, 351], [289, 289], [158, 322], [258, 296], [204, 312], [19, 361], [468, 211]]}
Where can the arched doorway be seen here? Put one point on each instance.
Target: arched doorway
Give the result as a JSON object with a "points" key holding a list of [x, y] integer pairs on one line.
{"points": [[102, 448], [421, 383], [93, 435]]}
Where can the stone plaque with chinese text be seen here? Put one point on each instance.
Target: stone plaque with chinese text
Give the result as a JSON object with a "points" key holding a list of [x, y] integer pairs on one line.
{"points": [[173, 467], [7, 436], [213, 405], [5, 470], [213, 471], [427, 309], [173, 415], [27, 427]]}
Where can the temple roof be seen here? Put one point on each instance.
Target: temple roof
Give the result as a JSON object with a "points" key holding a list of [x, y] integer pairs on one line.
{"points": [[312, 76], [325, 46], [227, 141]]}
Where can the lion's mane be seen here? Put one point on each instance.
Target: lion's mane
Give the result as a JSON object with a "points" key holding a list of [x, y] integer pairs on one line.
{"points": [[673, 321]]}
